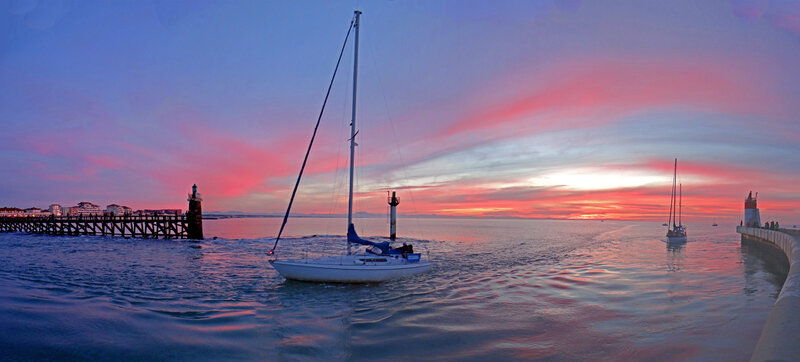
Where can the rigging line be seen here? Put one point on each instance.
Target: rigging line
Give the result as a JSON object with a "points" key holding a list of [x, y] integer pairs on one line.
{"points": [[385, 180], [313, 135], [404, 169], [338, 179]]}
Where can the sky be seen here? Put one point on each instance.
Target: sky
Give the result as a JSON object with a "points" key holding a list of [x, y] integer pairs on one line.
{"points": [[543, 109]]}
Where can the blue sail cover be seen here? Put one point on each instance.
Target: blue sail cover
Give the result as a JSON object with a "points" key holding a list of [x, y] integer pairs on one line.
{"points": [[352, 237]]}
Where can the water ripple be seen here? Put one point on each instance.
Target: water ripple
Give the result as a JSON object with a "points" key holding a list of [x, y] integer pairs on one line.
{"points": [[500, 290]]}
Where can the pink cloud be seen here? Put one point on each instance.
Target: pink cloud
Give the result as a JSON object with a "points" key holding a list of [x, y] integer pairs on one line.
{"points": [[591, 92], [749, 9], [228, 166], [104, 161], [783, 14]]}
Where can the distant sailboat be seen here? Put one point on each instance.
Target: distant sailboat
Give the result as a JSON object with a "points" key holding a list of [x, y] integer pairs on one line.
{"points": [[379, 262], [676, 232]]}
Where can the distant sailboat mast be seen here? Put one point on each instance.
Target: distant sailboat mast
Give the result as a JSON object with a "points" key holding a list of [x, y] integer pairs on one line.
{"points": [[676, 231], [672, 196], [353, 129]]}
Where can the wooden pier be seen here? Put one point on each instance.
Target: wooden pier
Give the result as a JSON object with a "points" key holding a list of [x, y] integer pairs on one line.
{"points": [[188, 226], [147, 226]]}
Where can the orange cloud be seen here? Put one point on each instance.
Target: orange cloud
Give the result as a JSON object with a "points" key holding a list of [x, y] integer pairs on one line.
{"points": [[718, 195]]}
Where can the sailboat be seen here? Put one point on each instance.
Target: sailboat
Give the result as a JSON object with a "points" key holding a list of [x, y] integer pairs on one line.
{"points": [[378, 261], [676, 232]]}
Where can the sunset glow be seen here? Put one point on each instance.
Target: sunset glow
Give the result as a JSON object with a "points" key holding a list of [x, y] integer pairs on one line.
{"points": [[555, 111]]}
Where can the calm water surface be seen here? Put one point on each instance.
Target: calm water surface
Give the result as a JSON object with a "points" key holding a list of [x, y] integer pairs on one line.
{"points": [[501, 289]]}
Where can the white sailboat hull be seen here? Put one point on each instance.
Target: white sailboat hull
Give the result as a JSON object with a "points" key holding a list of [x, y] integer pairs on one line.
{"points": [[350, 268], [676, 239]]}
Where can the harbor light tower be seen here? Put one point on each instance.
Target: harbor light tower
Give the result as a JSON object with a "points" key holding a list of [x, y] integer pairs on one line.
{"points": [[194, 217], [393, 202], [751, 216]]}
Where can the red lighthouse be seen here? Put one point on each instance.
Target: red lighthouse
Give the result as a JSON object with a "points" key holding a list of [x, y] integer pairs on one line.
{"points": [[751, 214]]}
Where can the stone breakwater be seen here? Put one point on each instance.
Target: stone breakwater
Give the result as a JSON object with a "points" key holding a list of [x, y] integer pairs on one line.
{"points": [[780, 338]]}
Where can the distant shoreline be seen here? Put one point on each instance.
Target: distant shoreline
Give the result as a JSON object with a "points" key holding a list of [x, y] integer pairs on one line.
{"points": [[214, 216], [224, 215]]}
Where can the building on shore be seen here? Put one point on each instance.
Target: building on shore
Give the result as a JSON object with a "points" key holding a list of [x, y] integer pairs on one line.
{"points": [[11, 211], [84, 208], [35, 211], [160, 212], [118, 210], [56, 210]]}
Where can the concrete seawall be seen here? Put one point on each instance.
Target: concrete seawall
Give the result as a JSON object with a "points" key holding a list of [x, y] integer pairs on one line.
{"points": [[780, 338]]}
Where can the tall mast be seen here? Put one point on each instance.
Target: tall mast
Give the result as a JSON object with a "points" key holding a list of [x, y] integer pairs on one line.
{"points": [[680, 203], [353, 127]]}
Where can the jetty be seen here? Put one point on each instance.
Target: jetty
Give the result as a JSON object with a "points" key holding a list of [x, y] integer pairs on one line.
{"points": [[187, 226], [780, 338]]}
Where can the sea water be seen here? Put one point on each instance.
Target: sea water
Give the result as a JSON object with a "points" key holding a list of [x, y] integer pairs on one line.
{"points": [[501, 289]]}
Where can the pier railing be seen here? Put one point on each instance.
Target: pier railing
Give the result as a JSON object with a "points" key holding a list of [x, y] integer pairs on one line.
{"points": [[145, 226]]}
